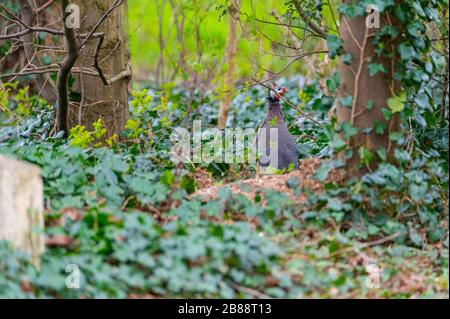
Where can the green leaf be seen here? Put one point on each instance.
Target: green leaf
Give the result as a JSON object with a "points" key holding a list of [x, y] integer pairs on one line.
{"points": [[335, 204], [374, 68], [322, 173], [334, 45], [167, 178], [397, 103], [365, 155], [418, 191], [347, 101], [333, 82], [379, 127], [337, 143], [348, 130], [347, 59], [406, 52], [415, 237], [382, 153], [423, 101]]}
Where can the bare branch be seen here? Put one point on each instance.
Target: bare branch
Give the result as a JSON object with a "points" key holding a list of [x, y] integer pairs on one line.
{"points": [[108, 81], [96, 64], [28, 14], [117, 4], [298, 57], [53, 68], [44, 83], [43, 7], [317, 29]]}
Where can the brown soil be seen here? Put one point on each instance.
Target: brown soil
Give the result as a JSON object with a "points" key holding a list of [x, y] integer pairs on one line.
{"points": [[253, 186]]}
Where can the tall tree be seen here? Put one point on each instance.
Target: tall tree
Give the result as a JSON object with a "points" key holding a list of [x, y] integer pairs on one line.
{"points": [[107, 95], [367, 82], [44, 84], [231, 48]]}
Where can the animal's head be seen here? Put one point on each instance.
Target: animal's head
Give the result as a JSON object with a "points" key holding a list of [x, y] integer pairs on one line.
{"points": [[274, 95]]}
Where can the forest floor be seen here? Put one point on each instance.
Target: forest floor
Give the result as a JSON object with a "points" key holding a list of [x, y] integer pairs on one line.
{"points": [[253, 186], [412, 273], [138, 227]]}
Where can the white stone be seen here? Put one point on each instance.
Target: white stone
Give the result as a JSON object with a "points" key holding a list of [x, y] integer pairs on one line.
{"points": [[22, 206]]}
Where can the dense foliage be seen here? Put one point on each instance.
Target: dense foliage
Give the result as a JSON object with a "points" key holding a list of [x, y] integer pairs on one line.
{"points": [[132, 221], [124, 214]]}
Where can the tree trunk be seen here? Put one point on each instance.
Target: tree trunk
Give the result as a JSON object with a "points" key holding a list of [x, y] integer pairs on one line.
{"points": [[232, 42], [45, 85], [366, 90], [97, 99], [22, 207]]}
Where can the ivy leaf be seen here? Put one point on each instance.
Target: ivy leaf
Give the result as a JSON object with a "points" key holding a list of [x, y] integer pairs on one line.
{"points": [[402, 156], [365, 155], [335, 204], [418, 191], [429, 67], [322, 173], [293, 183], [406, 52], [167, 178], [374, 68], [334, 45], [436, 233], [348, 130], [379, 127], [347, 101], [423, 101], [333, 82], [397, 103], [347, 58], [414, 29], [418, 8], [415, 237], [337, 143], [382, 153], [382, 4]]}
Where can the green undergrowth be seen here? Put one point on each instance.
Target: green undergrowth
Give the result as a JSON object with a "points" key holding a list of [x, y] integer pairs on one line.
{"points": [[125, 215]]}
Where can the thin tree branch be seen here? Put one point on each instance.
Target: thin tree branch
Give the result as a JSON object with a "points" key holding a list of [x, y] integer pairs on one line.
{"points": [[108, 81], [308, 21], [45, 85], [43, 7], [96, 64], [117, 4]]}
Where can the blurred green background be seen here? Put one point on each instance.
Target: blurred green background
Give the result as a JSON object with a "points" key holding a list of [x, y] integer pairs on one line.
{"points": [[205, 34]]}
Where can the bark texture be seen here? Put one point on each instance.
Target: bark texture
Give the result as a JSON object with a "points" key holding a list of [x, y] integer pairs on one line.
{"points": [[356, 82], [111, 101], [232, 42], [44, 84]]}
